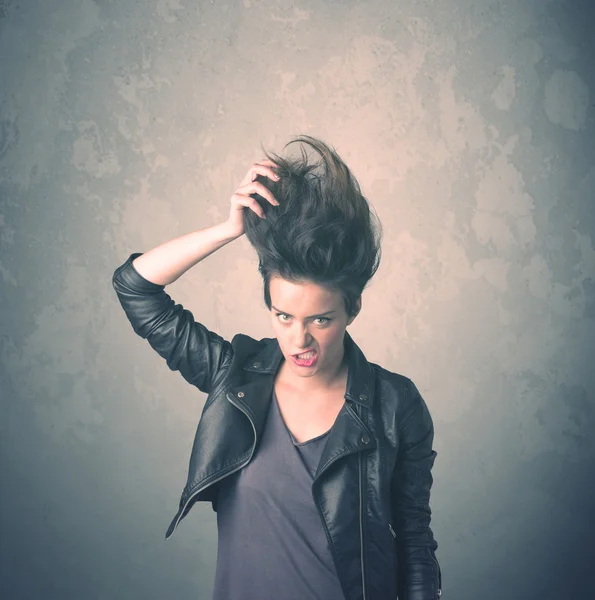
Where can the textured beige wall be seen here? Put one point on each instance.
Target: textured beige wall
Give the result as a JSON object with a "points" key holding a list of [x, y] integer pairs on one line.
{"points": [[470, 126]]}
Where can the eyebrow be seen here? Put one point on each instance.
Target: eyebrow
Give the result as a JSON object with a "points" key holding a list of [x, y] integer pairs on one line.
{"points": [[328, 312]]}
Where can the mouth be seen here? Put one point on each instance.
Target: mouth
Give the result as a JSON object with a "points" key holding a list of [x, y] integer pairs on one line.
{"points": [[307, 362], [301, 354]]}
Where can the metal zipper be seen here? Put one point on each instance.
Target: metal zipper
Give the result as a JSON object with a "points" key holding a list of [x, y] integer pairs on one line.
{"points": [[433, 558], [392, 531], [361, 526], [438, 573], [326, 531], [200, 489]]}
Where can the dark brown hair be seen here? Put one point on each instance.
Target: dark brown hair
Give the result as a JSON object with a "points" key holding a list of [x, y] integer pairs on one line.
{"points": [[323, 230]]}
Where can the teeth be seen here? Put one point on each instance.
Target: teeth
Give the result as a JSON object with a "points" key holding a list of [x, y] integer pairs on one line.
{"points": [[306, 356]]}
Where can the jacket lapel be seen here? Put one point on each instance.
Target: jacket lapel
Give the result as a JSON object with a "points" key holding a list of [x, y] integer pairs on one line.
{"points": [[224, 443], [251, 391]]}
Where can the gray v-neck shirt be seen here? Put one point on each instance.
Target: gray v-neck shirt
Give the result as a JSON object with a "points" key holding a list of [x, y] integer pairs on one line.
{"points": [[272, 544]]}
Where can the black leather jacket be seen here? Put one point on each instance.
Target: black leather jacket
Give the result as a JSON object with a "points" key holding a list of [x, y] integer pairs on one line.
{"points": [[372, 487]]}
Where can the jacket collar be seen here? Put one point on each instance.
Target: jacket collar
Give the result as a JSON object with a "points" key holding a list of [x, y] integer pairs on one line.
{"points": [[359, 377], [252, 395]]}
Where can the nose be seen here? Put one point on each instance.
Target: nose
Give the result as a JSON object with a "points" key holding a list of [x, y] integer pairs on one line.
{"points": [[303, 345], [302, 340]]}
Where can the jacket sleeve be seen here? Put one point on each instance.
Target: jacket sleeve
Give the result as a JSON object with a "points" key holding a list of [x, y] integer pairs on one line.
{"points": [[420, 577], [187, 346]]}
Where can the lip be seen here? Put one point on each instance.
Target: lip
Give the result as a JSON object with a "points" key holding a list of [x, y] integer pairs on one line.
{"points": [[306, 364]]}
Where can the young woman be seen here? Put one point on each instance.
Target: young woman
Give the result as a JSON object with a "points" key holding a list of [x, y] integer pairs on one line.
{"points": [[317, 461]]}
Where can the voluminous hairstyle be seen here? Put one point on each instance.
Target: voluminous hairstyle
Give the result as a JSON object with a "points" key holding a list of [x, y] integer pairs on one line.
{"points": [[322, 232]]}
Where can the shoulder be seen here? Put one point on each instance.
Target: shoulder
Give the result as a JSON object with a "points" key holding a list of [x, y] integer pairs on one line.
{"points": [[246, 343], [242, 350], [397, 391], [393, 384], [247, 349]]}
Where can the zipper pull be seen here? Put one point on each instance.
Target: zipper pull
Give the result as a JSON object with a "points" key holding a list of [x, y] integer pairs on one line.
{"points": [[392, 531]]}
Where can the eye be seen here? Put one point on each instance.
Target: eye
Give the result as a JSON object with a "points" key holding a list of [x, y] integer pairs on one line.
{"points": [[325, 319]]}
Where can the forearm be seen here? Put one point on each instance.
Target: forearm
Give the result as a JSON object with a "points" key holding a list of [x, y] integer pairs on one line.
{"points": [[167, 262], [420, 578], [171, 330]]}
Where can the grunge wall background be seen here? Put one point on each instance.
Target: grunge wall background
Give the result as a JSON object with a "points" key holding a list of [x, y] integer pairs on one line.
{"points": [[470, 126]]}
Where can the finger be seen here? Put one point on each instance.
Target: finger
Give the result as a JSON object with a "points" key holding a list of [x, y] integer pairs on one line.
{"points": [[260, 169], [255, 187], [250, 203], [266, 170], [266, 161]]}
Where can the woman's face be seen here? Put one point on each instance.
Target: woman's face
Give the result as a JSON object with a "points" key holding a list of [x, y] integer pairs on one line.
{"points": [[308, 316]]}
